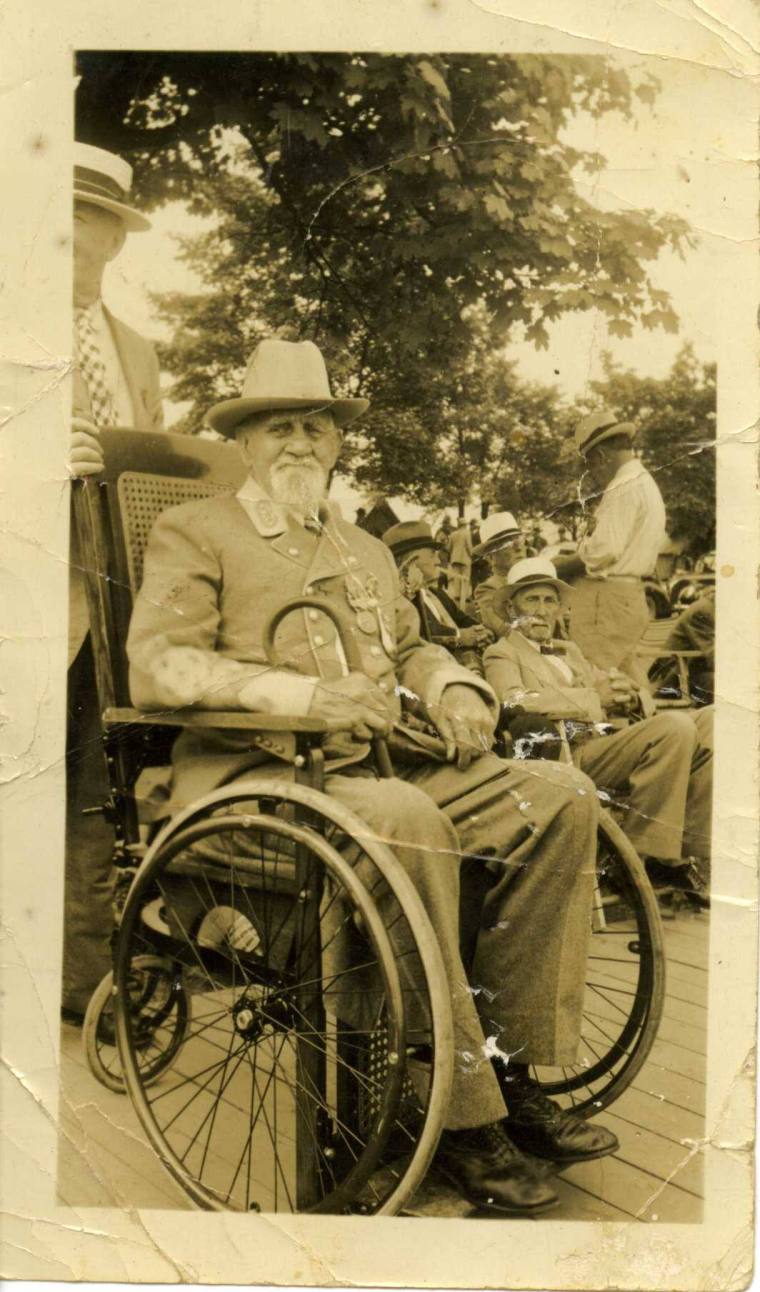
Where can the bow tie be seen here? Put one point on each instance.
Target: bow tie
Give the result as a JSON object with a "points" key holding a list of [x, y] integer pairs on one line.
{"points": [[551, 650]]}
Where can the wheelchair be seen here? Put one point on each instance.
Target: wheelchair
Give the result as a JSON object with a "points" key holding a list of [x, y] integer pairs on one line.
{"points": [[277, 1010]]}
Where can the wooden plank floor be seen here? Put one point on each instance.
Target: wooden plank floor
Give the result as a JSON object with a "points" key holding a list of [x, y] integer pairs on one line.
{"points": [[657, 1175]]}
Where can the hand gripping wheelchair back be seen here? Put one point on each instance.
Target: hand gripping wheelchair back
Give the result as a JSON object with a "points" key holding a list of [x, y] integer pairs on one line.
{"points": [[278, 1011]]}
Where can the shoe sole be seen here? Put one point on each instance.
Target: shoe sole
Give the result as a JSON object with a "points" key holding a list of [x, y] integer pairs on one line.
{"points": [[483, 1204], [561, 1163]]}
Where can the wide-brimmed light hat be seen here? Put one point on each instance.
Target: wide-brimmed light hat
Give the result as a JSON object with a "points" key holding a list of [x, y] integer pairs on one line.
{"points": [[496, 531], [283, 374], [531, 571], [595, 428], [104, 179], [410, 536]]}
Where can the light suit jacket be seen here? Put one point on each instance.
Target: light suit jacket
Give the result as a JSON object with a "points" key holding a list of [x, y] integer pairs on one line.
{"points": [[216, 571], [521, 675], [140, 366]]}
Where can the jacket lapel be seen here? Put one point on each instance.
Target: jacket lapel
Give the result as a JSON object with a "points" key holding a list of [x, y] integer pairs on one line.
{"points": [[130, 359], [538, 671], [332, 557]]}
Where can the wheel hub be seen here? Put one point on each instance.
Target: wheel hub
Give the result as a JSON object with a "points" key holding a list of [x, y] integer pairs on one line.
{"points": [[255, 1018]]}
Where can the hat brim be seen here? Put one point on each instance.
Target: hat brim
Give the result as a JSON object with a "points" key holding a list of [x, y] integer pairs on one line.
{"points": [[496, 544], [536, 580], [227, 416], [415, 545], [134, 221], [619, 428]]}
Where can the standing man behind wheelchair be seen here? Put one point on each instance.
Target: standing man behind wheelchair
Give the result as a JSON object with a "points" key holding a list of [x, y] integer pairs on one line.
{"points": [[215, 572], [659, 767], [608, 611], [116, 383]]}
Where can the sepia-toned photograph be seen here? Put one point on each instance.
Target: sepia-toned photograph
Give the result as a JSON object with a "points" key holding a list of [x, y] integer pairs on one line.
{"points": [[397, 644], [389, 765]]}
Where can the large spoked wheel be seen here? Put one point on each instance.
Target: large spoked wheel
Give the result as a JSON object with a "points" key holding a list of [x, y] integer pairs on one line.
{"points": [[625, 982], [316, 1066], [158, 1005]]}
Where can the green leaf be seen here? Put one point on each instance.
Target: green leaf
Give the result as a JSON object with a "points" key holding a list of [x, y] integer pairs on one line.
{"points": [[497, 206], [434, 78]]}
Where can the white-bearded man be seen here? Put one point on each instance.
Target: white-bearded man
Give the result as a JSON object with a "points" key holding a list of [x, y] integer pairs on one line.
{"points": [[215, 571]]}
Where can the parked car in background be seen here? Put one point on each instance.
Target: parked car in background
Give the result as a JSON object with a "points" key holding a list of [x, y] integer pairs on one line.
{"points": [[658, 601], [687, 586]]}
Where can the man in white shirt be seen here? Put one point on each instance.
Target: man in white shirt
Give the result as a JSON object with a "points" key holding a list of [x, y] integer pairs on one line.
{"points": [[608, 611], [116, 383], [659, 769]]}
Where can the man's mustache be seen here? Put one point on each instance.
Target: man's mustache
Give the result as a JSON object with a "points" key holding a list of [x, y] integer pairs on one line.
{"points": [[525, 621], [310, 464]]}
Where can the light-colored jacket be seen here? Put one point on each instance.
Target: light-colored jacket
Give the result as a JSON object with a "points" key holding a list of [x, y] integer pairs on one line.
{"points": [[215, 572], [519, 674]]}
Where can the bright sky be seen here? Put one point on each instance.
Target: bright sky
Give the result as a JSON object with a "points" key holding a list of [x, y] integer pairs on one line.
{"points": [[670, 160]]}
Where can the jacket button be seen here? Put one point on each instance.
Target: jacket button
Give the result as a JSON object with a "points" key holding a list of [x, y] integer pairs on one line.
{"points": [[314, 614], [383, 686], [292, 551], [309, 590], [318, 640], [375, 650]]}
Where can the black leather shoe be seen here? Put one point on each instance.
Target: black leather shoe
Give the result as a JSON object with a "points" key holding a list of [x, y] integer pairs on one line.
{"points": [[539, 1126], [685, 879], [489, 1171]]}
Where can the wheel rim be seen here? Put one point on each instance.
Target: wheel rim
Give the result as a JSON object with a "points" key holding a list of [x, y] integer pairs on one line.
{"points": [[625, 983], [256, 1007], [159, 1008], [433, 1080]]}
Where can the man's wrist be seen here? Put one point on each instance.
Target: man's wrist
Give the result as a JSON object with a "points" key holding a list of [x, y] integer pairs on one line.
{"points": [[279, 692]]}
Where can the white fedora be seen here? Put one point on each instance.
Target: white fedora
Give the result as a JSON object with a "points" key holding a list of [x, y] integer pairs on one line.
{"points": [[595, 428], [532, 571], [283, 374], [104, 179], [497, 531]]}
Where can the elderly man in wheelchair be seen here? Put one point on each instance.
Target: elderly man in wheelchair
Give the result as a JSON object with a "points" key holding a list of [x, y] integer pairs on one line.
{"points": [[267, 603], [656, 767]]}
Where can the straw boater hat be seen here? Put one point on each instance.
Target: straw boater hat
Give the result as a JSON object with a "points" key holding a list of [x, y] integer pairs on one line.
{"points": [[283, 374], [410, 536], [497, 531], [595, 428], [532, 571], [103, 179]]}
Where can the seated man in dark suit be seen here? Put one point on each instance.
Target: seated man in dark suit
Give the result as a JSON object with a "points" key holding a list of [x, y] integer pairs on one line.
{"points": [[418, 557], [660, 767]]}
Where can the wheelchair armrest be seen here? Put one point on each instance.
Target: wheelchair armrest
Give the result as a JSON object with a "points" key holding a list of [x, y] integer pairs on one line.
{"points": [[659, 652], [238, 720]]}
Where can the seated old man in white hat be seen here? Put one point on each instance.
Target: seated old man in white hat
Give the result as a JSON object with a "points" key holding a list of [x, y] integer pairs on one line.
{"points": [[660, 767], [608, 610], [215, 571], [115, 383], [501, 544]]}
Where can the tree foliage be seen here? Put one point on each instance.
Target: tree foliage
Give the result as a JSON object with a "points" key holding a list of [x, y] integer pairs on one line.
{"points": [[406, 212]]}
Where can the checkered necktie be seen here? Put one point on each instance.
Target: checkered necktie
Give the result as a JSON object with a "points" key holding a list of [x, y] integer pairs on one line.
{"points": [[92, 368]]}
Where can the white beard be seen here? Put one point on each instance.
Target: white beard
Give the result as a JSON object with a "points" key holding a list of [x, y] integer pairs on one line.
{"points": [[300, 487]]}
